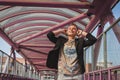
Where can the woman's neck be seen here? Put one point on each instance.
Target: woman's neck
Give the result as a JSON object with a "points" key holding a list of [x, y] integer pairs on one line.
{"points": [[71, 38]]}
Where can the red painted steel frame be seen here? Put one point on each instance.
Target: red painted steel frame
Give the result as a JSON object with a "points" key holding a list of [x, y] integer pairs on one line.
{"points": [[39, 3], [81, 16]]}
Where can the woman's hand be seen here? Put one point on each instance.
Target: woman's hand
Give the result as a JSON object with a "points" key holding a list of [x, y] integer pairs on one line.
{"points": [[81, 33], [63, 31]]}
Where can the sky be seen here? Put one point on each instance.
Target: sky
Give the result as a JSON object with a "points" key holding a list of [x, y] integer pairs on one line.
{"points": [[6, 47]]}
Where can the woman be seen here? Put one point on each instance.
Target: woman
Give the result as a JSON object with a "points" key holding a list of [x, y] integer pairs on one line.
{"points": [[67, 55]]}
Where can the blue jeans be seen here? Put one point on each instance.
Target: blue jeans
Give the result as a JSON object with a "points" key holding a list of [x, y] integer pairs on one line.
{"points": [[68, 77]]}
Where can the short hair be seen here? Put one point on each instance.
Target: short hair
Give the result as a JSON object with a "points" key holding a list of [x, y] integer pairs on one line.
{"points": [[74, 25]]}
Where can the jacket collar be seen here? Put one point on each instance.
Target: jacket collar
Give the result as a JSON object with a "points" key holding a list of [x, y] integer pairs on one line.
{"points": [[66, 39]]}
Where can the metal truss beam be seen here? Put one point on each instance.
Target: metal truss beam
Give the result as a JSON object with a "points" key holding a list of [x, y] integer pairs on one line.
{"points": [[33, 11], [22, 47], [38, 45], [21, 27], [38, 3], [4, 7], [40, 58], [92, 23], [62, 24], [32, 19], [7, 39], [97, 46], [99, 12], [116, 28]]}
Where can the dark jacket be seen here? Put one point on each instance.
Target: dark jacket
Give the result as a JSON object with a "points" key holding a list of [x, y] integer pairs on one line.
{"points": [[80, 43]]}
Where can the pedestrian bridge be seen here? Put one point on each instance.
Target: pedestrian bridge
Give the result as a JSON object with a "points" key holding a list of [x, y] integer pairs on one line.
{"points": [[23, 29]]}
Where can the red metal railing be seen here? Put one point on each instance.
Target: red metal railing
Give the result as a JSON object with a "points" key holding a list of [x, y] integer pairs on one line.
{"points": [[105, 74]]}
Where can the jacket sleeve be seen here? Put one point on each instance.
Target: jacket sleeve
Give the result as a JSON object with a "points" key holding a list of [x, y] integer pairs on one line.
{"points": [[51, 37], [90, 40]]}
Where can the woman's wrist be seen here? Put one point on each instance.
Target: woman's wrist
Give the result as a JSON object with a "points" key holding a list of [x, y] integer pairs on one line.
{"points": [[84, 33]]}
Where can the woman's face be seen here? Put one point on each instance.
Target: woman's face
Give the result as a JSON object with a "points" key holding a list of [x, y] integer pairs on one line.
{"points": [[72, 31]]}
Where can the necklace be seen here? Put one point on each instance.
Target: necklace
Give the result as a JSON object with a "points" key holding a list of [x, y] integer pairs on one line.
{"points": [[70, 43]]}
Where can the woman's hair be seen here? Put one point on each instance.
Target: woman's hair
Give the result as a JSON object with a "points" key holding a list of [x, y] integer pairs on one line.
{"points": [[73, 25]]}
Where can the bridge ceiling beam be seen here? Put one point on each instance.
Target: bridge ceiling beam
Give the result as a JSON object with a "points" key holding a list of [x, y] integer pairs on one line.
{"points": [[62, 24], [38, 3]]}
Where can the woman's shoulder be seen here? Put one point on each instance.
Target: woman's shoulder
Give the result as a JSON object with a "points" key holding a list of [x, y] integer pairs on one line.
{"points": [[62, 37]]}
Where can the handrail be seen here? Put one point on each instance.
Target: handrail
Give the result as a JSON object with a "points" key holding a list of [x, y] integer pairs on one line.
{"points": [[104, 74], [4, 76], [11, 57], [15, 70]]}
